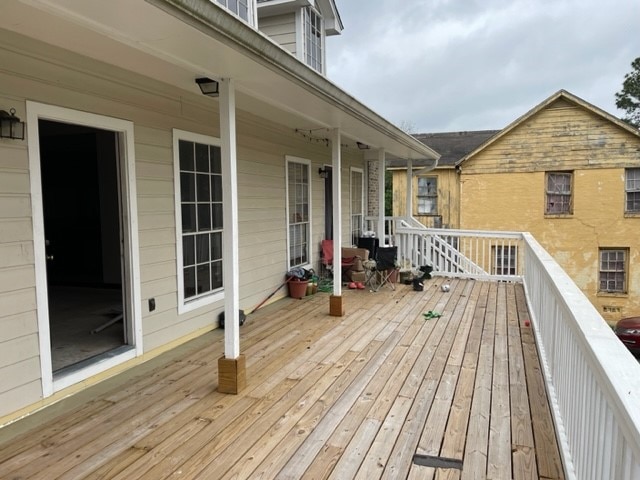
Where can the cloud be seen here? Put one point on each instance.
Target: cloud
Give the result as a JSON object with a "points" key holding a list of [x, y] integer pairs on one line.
{"points": [[445, 65]]}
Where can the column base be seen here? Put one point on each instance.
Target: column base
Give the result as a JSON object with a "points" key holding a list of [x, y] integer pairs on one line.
{"points": [[232, 375], [336, 307]]}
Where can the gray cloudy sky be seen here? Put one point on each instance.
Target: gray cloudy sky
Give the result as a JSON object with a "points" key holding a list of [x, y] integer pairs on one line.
{"points": [[449, 65]]}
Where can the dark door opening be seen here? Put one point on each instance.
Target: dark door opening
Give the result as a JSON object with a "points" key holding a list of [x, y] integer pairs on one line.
{"points": [[328, 204], [83, 230]]}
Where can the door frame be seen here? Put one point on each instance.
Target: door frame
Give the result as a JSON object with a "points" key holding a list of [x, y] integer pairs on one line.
{"points": [[131, 262]]}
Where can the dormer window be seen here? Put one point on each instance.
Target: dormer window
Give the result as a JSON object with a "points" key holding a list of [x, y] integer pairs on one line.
{"points": [[313, 40], [238, 7]]}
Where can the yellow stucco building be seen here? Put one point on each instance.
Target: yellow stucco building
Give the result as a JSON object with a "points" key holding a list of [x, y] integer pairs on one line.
{"points": [[569, 173]]}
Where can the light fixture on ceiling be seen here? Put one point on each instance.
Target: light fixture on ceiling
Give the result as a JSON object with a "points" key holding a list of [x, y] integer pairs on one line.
{"points": [[10, 125], [208, 86], [363, 146]]}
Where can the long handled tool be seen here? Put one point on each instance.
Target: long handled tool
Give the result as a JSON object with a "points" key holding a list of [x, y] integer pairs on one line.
{"points": [[271, 294]]}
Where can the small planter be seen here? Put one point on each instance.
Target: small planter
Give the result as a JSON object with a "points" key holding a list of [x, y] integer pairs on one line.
{"points": [[297, 288], [406, 276]]}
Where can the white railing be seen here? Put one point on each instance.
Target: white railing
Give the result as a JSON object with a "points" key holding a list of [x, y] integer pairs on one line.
{"points": [[592, 380], [461, 253]]}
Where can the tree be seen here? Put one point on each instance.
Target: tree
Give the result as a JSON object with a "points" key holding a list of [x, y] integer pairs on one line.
{"points": [[628, 99]]}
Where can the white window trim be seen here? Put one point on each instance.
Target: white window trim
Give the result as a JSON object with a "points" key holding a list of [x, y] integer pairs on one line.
{"points": [[418, 196], [353, 170], [252, 12], [627, 190], [125, 131], [185, 306], [288, 159], [301, 50]]}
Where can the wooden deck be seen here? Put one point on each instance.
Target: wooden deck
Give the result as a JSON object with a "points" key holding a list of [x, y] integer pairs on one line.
{"points": [[380, 393]]}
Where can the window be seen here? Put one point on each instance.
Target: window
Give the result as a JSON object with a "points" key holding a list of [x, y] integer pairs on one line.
{"points": [[312, 38], [559, 193], [505, 259], [298, 211], [428, 195], [239, 7], [199, 216], [632, 189], [613, 270], [357, 205]]}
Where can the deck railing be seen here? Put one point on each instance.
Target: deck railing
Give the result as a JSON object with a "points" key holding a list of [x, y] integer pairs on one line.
{"points": [[592, 380]]}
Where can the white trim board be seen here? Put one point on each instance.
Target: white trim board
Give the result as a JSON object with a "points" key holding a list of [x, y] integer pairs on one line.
{"points": [[124, 129]]}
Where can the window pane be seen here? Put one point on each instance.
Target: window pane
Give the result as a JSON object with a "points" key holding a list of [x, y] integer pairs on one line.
{"points": [[217, 216], [202, 248], [189, 280], [204, 217], [216, 164], [186, 155], [216, 246], [204, 190], [188, 218], [188, 250], [187, 187], [216, 188], [202, 158], [216, 275], [203, 278]]}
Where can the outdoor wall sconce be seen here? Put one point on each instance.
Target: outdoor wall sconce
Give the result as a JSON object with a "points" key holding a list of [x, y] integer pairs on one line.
{"points": [[363, 146], [10, 125], [208, 87], [323, 172]]}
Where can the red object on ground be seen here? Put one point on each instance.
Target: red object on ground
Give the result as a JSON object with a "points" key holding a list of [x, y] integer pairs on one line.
{"points": [[526, 323]]}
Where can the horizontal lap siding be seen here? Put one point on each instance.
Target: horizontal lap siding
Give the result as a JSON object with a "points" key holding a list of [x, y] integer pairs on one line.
{"points": [[19, 360], [563, 138], [154, 109], [281, 29]]}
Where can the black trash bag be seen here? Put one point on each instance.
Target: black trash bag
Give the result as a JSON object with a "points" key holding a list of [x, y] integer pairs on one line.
{"points": [[418, 286], [242, 316], [426, 272]]}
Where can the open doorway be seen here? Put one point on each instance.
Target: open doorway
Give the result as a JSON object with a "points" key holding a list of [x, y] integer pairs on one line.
{"points": [[82, 213]]}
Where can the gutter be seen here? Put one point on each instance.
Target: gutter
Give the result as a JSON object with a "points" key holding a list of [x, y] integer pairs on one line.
{"points": [[216, 23]]}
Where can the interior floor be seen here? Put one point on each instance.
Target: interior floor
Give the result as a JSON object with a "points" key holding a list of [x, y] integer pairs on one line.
{"points": [[84, 322]]}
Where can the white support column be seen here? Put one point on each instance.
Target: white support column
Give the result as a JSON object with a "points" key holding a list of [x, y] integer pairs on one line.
{"points": [[230, 208], [336, 164], [336, 306], [409, 209], [381, 175]]}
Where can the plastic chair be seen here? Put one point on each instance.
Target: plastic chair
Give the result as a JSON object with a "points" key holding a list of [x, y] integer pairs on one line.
{"points": [[381, 270]]}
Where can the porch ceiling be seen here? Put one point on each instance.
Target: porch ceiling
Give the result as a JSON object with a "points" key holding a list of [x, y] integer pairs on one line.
{"points": [[198, 38]]}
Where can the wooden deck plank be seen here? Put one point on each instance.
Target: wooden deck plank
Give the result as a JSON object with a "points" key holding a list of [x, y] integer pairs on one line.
{"points": [[328, 397], [547, 451], [499, 454], [476, 450], [523, 456]]}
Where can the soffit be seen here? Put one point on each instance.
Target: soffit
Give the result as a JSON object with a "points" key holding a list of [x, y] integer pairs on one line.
{"points": [[198, 38]]}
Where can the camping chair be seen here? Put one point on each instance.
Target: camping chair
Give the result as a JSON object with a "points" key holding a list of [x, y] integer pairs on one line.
{"points": [[381, 270], [326, 260]]}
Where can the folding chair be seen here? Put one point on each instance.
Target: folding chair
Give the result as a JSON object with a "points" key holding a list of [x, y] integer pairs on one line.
{"points": [[326, 260], [381, 270]]}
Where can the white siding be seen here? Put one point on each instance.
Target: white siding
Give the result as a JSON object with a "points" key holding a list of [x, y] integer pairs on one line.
{"points": [[281, 29], [155, 109]]}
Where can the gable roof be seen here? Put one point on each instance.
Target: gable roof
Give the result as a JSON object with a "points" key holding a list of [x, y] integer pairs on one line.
{"points": [[452, 146], [558, 96]]}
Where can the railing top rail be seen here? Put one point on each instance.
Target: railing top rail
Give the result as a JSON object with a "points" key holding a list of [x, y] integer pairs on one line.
{"points": [[459, 233], [617, 372]]}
